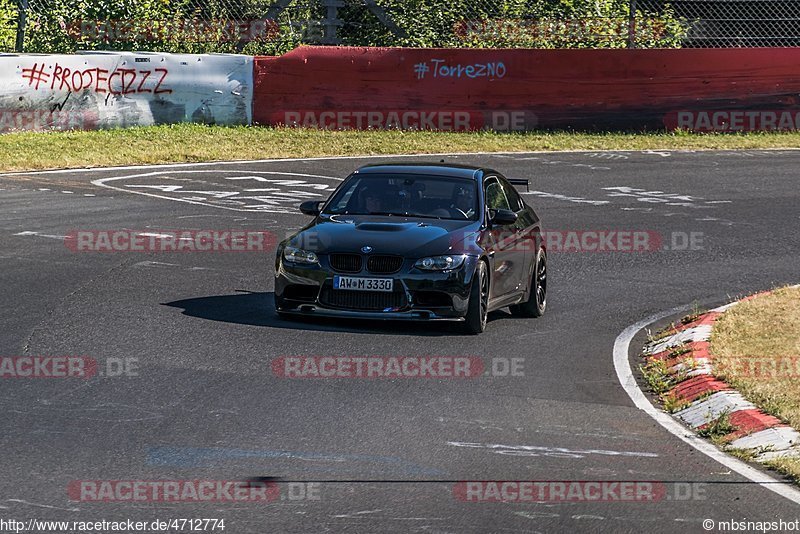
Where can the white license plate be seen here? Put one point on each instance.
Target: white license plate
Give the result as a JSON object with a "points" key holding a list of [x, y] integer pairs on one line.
{"points": [[363, 284]]}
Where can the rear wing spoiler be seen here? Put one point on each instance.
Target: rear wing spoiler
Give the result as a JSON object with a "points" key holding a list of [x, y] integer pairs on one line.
{"points": [[520, 181]]}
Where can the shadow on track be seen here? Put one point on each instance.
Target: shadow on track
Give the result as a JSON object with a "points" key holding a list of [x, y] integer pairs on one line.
{"points": [[258, 309]]}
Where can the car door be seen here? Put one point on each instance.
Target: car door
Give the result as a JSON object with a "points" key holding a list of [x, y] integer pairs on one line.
{"points": [[508, 261], [525, 240]]}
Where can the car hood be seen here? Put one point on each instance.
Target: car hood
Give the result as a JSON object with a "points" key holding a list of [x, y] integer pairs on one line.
{"points": [[405, 236]]}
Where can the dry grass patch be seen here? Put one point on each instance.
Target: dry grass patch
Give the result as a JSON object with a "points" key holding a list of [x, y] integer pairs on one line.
{"points": [[756, 348], [786, 466]]}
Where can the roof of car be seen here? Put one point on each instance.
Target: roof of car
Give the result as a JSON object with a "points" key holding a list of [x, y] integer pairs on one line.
{"points": [[436, 169]]}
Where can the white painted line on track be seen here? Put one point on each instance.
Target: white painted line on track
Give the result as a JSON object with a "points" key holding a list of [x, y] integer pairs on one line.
{"points": [[31, 233], [628, 382], [103, 182]]}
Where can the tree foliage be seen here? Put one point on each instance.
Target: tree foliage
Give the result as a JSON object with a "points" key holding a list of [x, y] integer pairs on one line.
{"points": [[197, 26], [8, 25]]}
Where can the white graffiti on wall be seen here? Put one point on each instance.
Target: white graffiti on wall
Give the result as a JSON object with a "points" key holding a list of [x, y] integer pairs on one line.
{"points": [[440, 68]]}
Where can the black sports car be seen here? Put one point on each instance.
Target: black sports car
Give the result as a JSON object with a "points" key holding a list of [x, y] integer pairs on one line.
{"points": [[417, 242]]}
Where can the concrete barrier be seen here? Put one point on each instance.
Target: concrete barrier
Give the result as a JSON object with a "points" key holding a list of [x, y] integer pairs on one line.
{"points": [[107, 90], [429, 89]]}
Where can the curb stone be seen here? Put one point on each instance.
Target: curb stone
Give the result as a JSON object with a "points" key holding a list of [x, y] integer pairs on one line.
{"points": [[703, 398]]}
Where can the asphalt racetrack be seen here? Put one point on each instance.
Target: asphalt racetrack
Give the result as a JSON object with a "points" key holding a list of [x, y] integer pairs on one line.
{"points": [[197, 331]]}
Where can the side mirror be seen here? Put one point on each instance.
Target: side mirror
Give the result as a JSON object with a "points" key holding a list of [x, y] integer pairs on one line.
{"points": [[310, 207], [502, 217]]}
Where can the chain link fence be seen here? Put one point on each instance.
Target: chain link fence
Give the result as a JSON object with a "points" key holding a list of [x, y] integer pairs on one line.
{"points": [[275, 26]]}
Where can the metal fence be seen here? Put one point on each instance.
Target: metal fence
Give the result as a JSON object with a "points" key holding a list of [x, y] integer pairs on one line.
{"points": [[275, 26]]}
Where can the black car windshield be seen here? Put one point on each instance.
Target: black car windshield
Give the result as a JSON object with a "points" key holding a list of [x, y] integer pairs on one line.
{"points": [[406, 195]]}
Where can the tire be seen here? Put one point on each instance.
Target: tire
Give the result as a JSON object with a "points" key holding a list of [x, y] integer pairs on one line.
{"points": [[477, 311], [537, 299]]}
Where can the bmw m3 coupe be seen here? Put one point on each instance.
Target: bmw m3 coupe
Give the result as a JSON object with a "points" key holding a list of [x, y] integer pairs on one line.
{"points": [[416, 242]]}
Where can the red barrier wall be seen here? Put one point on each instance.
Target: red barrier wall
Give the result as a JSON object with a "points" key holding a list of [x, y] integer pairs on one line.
{"points": [[516, 89]]}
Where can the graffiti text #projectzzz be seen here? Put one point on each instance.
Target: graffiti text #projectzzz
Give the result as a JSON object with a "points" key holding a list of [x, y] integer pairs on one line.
{"points": [[116, 82]]}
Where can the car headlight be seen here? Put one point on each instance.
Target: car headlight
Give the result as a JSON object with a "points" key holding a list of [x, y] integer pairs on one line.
{"points": [[440, 263], [298, 255]]}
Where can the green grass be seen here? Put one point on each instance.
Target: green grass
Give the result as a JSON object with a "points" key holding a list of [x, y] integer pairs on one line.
{"points": [[661, 380], [717, 429], [197, 143], [786, 466], [672, 328]]}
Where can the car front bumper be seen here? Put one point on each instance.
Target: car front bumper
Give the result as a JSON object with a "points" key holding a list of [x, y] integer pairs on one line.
{"points": [[417, 295]]}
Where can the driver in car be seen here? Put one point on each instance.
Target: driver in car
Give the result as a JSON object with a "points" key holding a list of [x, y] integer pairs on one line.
{"points": [[464, 202], [371, 200]]}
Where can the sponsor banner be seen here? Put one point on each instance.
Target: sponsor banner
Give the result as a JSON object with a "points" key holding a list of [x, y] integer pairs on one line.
{"points": [[186, 491], [734, 120], [170, 241], [116, 89]]}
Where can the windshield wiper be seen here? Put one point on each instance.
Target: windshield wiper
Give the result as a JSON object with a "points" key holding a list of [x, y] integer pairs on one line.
{"points": [[398, 214]]}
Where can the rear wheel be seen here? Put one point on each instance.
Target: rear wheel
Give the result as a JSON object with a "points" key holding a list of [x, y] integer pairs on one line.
{"points": [[477, 312], [537, 301]]}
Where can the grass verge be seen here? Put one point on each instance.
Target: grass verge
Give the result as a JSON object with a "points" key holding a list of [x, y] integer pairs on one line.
{"points": [[197, 143], [756, 347]]}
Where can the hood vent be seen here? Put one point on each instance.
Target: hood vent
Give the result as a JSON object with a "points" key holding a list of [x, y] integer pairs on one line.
{"points": [[381, 227]]}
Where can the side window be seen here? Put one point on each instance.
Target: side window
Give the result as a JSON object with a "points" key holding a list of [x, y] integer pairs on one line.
{"points": [[514, 200], [495, 198]]}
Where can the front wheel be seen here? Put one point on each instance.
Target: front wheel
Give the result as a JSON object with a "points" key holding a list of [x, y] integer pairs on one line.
{"points": [[478, 309], [537, 300]]}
